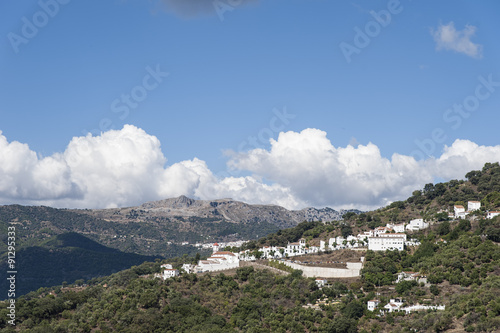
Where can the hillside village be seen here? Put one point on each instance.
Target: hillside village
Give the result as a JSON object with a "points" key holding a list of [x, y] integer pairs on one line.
{"points": [[390, 237], [393, 237], [425, 264]]}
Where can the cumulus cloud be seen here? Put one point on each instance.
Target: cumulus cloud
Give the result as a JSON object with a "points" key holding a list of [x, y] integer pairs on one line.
{"points": [[24, 176], [448, 38], [127, 167], [320, 174], [117, 168]]}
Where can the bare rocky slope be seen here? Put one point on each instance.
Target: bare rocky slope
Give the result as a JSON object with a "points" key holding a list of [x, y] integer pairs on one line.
{"points": [[183, 208]]}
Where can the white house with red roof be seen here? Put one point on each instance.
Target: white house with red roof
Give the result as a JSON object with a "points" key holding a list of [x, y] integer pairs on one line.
{"points": [[398, 228], [372, 304], [459, 211], [492, 214], [296, 248], [167, 272], [218, 261], [394, 305]]}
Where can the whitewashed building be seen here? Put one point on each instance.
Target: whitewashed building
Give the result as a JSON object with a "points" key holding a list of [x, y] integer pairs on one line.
{"points": [[170, 273], [459, 211], [320, 282], [387, 242], [492, 214], [372, 304], [188, 268], [221, 260], [417, 224], [296, 249], [398, 228], [473, 205], [393, 305], [167, 272], [382, 230]]}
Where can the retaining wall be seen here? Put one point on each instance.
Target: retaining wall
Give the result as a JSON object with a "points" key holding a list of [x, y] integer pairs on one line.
{"points": [[352, 270]]}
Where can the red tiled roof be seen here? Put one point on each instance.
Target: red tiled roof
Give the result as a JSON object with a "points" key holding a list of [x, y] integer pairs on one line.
{"points": [[224, 253]]}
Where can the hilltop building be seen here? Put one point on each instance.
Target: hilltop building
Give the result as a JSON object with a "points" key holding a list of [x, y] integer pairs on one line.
{"points": [[220, 260]]}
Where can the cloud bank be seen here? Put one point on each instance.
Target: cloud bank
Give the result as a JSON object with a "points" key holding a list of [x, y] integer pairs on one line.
{"points": [[127, 167], [448, 38]]}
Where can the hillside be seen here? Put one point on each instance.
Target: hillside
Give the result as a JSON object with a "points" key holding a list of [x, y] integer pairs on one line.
{"points": [[463, 275], [66, 258], [460, 259]]}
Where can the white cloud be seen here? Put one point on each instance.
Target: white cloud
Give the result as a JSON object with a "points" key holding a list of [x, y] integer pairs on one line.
{"points": [[448, 38], [320, 174], [127, 167], [23, 176]]}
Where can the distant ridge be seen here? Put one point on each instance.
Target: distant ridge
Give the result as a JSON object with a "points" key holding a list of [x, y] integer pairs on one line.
{"points": [[237, 211]]}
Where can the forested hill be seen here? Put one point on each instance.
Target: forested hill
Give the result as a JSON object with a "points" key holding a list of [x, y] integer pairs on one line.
{"points": [[67, 258]]}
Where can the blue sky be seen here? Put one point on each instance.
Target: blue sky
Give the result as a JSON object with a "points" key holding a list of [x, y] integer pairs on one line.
{"points": [[228, 79]]}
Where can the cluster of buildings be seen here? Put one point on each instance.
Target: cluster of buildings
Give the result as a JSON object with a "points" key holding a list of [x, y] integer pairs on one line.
{"points": [[459, 211], [206, 246], [396, 305], [392, 236]]}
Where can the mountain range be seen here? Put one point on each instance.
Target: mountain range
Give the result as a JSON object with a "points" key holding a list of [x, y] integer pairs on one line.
{"points": [[66, 245]]}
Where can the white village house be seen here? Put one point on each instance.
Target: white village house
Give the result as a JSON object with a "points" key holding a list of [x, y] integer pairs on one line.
{"points": [[492, 214], [394, 305], [417, 224], [167, 272], [473, 205], [398, 228], [321, 282], [387, 242], [372, 304], [459, 211]]}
